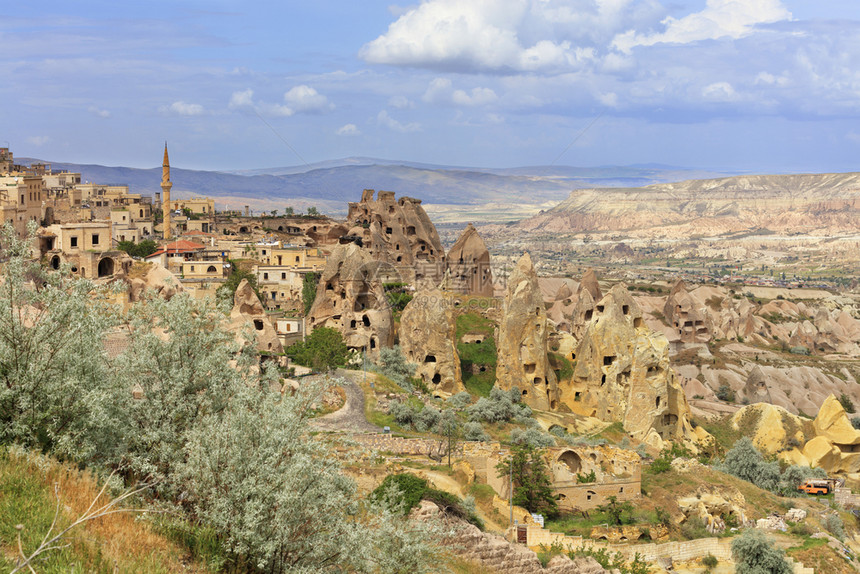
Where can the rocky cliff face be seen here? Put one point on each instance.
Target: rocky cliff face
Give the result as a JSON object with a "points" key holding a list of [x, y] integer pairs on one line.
{"points": [[399, 233], [622, 373], [684, 314], [428, 339], [783, 203], [522, 342], [248, 309], [469, 265], [351, 299]]}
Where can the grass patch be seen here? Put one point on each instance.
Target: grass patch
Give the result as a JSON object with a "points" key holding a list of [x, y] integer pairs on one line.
{"points": [[27, 498], [474, 356]]}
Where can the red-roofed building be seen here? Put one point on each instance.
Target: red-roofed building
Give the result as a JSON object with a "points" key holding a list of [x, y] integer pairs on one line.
{"points": [[172, 255]]}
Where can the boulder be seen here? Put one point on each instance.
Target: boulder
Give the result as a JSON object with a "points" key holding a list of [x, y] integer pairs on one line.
{"points": [[833, 424], [469, 265], [522, 342], [351, 299], [248, 309], [428, 339]]}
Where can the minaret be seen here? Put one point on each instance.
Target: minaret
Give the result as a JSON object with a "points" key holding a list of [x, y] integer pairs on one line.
{"points": [[165, 194]]}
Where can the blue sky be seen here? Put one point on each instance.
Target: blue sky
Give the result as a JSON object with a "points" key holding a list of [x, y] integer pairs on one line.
{"points": [[742, 85]]}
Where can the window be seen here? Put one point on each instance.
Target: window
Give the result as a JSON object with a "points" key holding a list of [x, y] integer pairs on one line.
{"points": [[95, 238], [297, 258], [74, 241], [265, 275], [283, 275], [192, 269]]}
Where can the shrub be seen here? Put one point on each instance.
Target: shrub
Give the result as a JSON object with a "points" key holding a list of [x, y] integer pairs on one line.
{"points": [[473, 431], [426, 418], [322, 350], [855, 422], [725, 393], [403, 414], [531, 437], [846, 403], [746, 462], [753, 553], [586, 478], [501, 406], [393, 364], [709, 561], [400, 492], [834, 525], [459, 401], [693, 528]]}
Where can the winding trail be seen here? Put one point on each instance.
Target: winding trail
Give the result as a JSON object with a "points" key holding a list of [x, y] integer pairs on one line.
{"points": [[350, 417]]}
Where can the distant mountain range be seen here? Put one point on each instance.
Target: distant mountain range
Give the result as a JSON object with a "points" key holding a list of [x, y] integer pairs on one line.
{"points": [[330, 185]]}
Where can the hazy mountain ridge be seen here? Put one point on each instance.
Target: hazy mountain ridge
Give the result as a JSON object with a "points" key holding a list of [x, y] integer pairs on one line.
{"points": [[335, 182]]}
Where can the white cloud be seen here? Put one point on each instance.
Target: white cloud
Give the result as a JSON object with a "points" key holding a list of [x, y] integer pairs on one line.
{"points": [[768, 79], [306, 99], [401, 102], [348, 130], [719, 19], [720, 91], [387, 121], [183, 109], [490, 35], [242, 99], [441, 91], [38, 140], [98, 112]]}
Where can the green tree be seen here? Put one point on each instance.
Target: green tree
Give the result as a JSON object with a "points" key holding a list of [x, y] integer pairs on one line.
{"points": [[449, 426], [531, 480], [746, 462], [753, 553], [312, 211], [288, 211], [227, 290], [322, 350], [615, 510], [142, 249], [309, 290]]}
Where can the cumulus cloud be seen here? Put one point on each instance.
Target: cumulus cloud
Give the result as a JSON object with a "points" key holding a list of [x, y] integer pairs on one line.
{"points": [[306, 99], [720, 19], [441, 91], [488, 35], [183, 109], [348, 130], [720, 92], [401, 102], [38, 140], [385, 120], [98, 112]]}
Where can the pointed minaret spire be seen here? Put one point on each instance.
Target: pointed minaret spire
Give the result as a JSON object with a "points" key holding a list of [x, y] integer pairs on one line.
{"points": [[165, 194], [165, 166]]}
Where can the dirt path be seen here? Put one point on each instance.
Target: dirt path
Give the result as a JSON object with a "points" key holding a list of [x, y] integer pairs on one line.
{"points": [[350, 417]]}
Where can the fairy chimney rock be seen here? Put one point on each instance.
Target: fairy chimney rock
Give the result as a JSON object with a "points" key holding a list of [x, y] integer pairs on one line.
{"points": [[469, 263]]}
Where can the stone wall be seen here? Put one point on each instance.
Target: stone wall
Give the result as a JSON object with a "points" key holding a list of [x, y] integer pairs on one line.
{"points": [[678, 551]]}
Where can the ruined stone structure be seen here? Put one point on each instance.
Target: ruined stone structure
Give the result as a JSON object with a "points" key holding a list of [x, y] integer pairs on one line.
{"points": [[682, 313], [427, 338], [522, 341], [248, 309], [400, 233], [469, 265], [351, 299], [622, 373]]}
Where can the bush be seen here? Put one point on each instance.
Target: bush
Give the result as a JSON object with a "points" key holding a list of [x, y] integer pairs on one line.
{"points": [[586, 478], [846, 403], [855, 422], [459, 401], [426, 418], [709, 561], [393, 364], [403, 414], [834, 525], [531, 437], [400, 492], [725, 393], [322, 350], [753, 553], [473, 431], [694, 528], [502, 406], [746, 462]]}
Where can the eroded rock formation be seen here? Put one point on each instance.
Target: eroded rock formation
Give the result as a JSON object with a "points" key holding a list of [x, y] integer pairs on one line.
{"points": [[621, 373], [248, 309], [522, 359], [428, 339], [683, 313], [351, 299], [399, 233], [469, 264], [151, 276]]}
